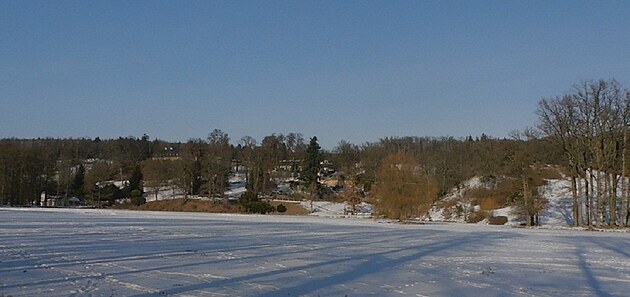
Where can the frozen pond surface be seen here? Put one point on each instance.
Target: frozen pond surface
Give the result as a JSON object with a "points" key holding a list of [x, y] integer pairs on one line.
{"points": [[62, 252]]}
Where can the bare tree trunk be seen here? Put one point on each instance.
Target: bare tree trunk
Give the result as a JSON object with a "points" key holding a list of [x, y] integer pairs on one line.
{"points": [[582, 202], [588, 203], [623, 199], [603, 214], [600, 192], [576, 210], [592, 203], [527, 198], [612, 204], [624, 195]]}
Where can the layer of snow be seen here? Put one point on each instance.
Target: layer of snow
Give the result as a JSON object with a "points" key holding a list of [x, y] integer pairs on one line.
{"points": [[336, 209], [238, 184], [558, 213], [65, 252]]}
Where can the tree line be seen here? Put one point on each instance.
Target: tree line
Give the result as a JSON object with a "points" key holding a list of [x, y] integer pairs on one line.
{"points": [[201, 167], [583, 133]]}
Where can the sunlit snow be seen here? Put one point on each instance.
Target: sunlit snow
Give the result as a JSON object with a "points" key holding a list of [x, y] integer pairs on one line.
{"points": [[77, 252]]}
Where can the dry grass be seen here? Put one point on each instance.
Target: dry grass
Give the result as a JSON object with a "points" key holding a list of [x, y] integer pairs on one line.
{"points": [[190, 205], [488, 199], [489, 204], [293, 209]]}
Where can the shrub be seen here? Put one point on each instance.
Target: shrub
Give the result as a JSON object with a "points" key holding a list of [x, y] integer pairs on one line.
{"points": [[260, 206], [249, 196], [499, 220], [252, 204], [281, 208], [504, 191], [478, 216]]}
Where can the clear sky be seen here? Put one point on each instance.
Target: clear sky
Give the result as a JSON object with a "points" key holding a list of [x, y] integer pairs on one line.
{"points": [[339, 70]]}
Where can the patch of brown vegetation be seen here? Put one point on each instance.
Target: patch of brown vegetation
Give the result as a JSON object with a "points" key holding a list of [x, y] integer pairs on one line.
{"points": [[488, 204], [479, 216], [190, 205], [450, 208], [293, 209], [498, 220], [500, 196]]}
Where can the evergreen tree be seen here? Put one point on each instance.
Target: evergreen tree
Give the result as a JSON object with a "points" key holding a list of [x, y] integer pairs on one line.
{"points": [[79, 180], [135, 182], [311, 164], [136, 197]]}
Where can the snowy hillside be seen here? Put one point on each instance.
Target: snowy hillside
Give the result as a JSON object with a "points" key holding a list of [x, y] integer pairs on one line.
{"points": [[557, 214], [446, 210]]}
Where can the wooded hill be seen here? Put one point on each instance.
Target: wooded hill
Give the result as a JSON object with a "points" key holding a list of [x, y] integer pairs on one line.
{"points": [[583, 132]]}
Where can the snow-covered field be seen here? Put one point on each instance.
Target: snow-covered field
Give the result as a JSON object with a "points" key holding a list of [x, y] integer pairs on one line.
{"points": [[75, 252]]}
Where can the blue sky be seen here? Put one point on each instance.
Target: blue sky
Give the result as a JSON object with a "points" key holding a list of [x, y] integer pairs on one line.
{"points": [[339, 70]]}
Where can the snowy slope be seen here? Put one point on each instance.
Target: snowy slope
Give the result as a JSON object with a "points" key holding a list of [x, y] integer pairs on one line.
{"points": [[445, 209], [83, 252], [557, 214]]}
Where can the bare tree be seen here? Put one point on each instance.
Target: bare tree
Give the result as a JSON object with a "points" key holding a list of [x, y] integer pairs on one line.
{"points": [[590, 125], [402, 190]]}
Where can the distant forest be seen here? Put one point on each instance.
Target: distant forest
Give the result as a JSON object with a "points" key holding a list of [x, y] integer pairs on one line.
{"points": [[583, 134]]}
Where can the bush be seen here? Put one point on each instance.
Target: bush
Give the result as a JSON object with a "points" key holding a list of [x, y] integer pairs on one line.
{"points": [[478, 216], [281, 208], [260, 206], [249, 196], [500, 220], [252, 204], [504, 191]]}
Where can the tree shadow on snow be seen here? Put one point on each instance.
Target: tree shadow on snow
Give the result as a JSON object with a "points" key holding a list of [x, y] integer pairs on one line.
{"points": [[588, 273], [368, 264]]}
